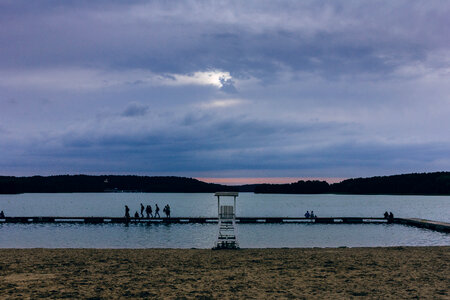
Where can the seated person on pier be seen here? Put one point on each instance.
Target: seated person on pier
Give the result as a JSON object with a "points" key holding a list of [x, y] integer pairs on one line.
{"points": [[391, 217], [2, 214], [386, 215], [307, 215], [136, 214]]}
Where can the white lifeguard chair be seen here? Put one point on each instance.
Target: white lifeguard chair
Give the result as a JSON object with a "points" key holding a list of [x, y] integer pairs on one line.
{"points": [[227, 236]]}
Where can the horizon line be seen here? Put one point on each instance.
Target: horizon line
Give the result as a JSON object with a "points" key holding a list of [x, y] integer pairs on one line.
{"points": [[262, 180]]}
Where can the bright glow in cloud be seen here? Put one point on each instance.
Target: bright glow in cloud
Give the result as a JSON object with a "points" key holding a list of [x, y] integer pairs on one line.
{"points": [[214, 78], [222, 103]]}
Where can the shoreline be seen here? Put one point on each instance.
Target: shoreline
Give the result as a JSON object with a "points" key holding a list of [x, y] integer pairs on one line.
{"points": [[226, 250], [256, 273]]}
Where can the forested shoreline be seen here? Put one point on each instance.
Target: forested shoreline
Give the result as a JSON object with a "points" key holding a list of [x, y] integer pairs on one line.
{"points": [[437, 183]]}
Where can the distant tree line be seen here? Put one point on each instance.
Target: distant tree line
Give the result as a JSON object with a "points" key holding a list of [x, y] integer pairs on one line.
{"points": [[106, 183], [437, 183]]}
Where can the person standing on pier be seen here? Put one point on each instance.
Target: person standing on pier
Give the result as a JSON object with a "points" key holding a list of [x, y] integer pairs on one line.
{"points": [[167, 211], [157, 211], [148, 211], [127, 212], [142, 210]]}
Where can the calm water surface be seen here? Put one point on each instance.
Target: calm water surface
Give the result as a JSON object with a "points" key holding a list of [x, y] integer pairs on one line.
{"points": [[205, 205]]}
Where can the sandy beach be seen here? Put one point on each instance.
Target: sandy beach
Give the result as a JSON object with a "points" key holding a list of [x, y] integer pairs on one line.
{"points": [[395, 273]]}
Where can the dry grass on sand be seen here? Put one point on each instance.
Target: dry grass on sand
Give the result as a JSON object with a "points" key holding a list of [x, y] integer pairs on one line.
{"points": [[396, 273]]}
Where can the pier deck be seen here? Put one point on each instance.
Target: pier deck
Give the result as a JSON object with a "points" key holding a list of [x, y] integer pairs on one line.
{"points": [[433, 225]]}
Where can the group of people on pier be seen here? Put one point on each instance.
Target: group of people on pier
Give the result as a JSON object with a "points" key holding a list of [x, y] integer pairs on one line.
{"points": [[148, 211], [310, 215]]}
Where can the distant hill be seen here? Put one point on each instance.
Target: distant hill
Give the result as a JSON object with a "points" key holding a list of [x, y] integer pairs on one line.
{"points": [[106, 183], [437, 183]]}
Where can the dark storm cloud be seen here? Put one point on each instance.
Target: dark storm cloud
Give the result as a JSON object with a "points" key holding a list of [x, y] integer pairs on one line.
{"points": [[228, 144], [135, 109], [227, 85], [255, 38]]}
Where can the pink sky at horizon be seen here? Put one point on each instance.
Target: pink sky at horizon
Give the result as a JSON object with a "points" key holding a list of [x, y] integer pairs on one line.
{"points": [[256, 180]]}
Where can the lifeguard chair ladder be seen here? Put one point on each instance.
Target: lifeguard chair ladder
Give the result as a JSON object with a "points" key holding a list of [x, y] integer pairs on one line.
{"points": [[227, 236]]}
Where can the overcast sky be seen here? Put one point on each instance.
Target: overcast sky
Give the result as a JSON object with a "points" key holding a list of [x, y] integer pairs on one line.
{"points": [[323, 89]]}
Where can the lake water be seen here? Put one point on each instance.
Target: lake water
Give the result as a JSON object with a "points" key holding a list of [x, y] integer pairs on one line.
{"points": [[205, 205]]}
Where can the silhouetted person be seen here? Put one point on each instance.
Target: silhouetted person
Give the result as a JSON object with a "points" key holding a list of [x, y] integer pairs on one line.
{"points": [[157, 211], [2, 214], [312, 215], [391, 217], [136, 214], [386, 215], [307, 215], [167, 210], [127, 212], [142, 210], [148, 211]]}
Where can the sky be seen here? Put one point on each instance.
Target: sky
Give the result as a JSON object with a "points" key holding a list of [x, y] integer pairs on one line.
{"points": [[230, 91]]}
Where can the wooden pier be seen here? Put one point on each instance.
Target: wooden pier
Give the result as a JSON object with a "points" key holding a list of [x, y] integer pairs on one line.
{"points": [[254, 220], [432, 225]]}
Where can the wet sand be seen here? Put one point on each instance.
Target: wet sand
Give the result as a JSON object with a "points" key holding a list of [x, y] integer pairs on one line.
{"points": [[378, 273]]}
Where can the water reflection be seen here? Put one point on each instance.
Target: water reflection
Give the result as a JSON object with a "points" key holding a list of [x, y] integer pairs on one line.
{"points": [[162, 235]]}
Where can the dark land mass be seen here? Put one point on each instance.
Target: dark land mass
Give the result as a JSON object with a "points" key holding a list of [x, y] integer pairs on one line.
{"points": [[106, 183], [437, 183]]}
